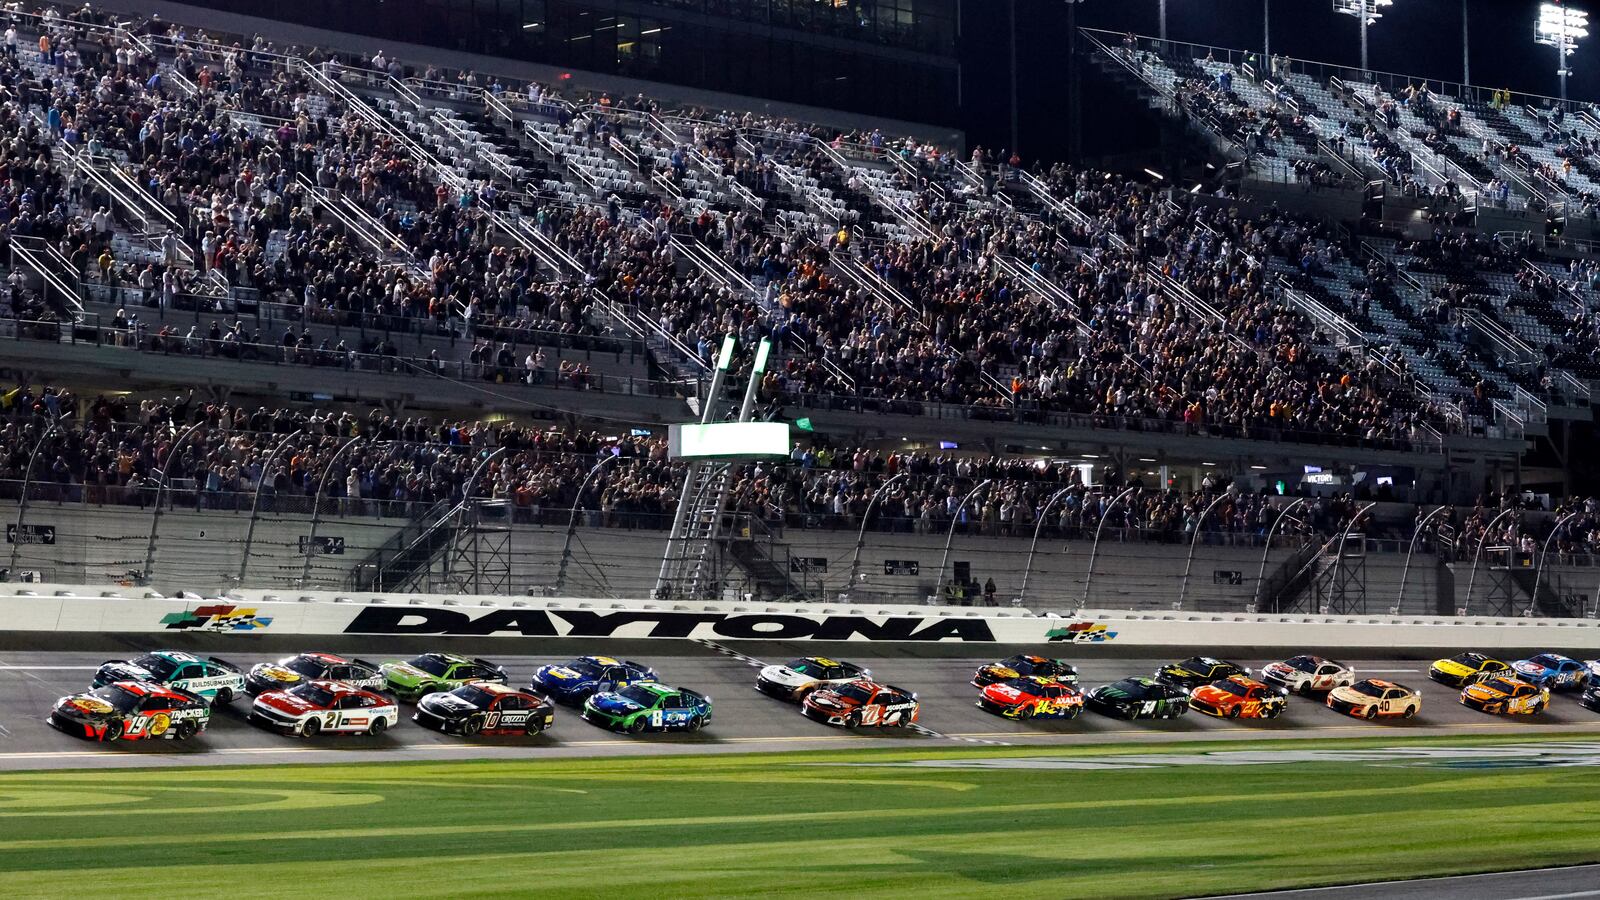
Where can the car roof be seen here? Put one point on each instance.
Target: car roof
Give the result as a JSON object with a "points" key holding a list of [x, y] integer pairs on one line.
{"points": [[825, 661], [1379, 682], [495, 688], [324, 657], [602, 660], [176, 655]]}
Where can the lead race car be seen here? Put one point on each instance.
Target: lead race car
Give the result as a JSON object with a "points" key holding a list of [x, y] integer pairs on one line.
{"points": [[861, 703], [796, 678], [313, 666], [315, 707], [132, 710], [215, 679]]}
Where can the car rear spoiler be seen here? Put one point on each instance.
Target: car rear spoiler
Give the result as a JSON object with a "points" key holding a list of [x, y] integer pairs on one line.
{"points": [[225, 664], [363, 662]]}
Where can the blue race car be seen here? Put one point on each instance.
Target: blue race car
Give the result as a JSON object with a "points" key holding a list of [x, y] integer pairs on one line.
{"points": [[1552, 670], [576, 681]]}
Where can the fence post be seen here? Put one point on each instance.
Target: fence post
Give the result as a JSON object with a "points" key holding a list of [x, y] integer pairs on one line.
{"points": [[1094, 550], [22, 502], [861, 533], [1199, 528], [950, 536], [1400, 597], [1261, 576], [1027, 570], [255, 504], [161, 488], [316, 509]]}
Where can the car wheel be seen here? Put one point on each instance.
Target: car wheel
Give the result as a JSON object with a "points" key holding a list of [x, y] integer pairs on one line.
{"points": [[474, 724], [1410, 711], [224, 697], [1234, 711], [1537, 708], [1305, 688], [379, 726], [1025, 712], [113, 732], [1370, 713], [696, 723], [636, 726], [311, 727], [852, 721], [185, 730]]}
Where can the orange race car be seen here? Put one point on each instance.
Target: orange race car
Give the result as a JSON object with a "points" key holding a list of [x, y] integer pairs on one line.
{"points": [[1238, 697]]}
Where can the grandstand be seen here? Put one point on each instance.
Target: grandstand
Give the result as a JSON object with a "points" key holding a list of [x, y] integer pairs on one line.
{"points": [[304, 318]]}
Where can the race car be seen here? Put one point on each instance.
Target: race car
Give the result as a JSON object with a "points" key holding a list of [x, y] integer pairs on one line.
{"points": [[576, 681], [1506, 696], [1197, 670], [1466, 668], [317, 707], [484, 708], [1375, 698], [1138, 698], [1024, 664], [291, 670], [216, 680], [1030, 697], [1307, 675], [1238, 697], [434, 672], [862, 702], [1590, 699], [1552, 670], [132, 710], [796, 678], [649, 704]]}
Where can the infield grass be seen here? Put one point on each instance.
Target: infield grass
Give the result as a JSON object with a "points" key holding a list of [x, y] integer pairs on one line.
{"points": [[783, 825]]}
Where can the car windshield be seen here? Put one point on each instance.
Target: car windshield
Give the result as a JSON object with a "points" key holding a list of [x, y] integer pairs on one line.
{"points": [[159, 666], [1501, 685], [1369, 689], [315, 695], [1472, 660], [585, 668], [856, 691], [639, 695], [304, 665], [475, 695], [1307, 664], [1231, 687], [1135, 690], [1546, 660], [117, 697], [1021, 664], [431, 664], [807, 667]]}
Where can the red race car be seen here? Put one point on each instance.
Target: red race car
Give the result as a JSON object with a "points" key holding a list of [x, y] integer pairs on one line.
{"points": [[318, 706], [1238, 697], [862, 703], [1029, 697], [132, 710]]}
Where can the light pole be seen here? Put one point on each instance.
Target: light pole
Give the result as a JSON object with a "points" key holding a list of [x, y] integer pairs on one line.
{"points": [[1266, 32], [861, 533], [1094, 549], [572, 520], [22, 502], [1561, 27], [1400, 596], [1163, 21], [1261, 577], [938, 589], [1027, 570], [1544, 555], [1188, 564], [1365, 11], [1466, 47], [1466, 605]]}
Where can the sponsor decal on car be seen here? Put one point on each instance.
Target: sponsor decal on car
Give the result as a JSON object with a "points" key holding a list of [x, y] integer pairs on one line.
{"points": [[217, 617]]}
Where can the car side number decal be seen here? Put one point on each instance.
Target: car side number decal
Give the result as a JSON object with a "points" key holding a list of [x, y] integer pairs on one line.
{"points": [[1149, 708], [1383, 706], [655, 718], [330, 719], [491, 719]]}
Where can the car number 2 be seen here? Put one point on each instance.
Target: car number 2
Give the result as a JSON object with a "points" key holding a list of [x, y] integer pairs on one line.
{"points": [[330, 719]]}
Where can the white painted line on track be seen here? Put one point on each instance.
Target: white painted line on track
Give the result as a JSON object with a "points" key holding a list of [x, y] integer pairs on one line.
{"points": [[6, 668]]}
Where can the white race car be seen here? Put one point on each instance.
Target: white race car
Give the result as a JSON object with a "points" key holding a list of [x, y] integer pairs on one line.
{"points": [[795, 679], [1307, 675], [317, 707]]}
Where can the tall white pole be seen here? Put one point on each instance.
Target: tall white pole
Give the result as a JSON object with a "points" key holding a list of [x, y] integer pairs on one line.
{"points": [[1266, 32], [1365, 6], [1466, 47], [1163, 20]]}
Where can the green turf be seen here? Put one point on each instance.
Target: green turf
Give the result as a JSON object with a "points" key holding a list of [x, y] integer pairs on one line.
{"points": [[778, 824]]}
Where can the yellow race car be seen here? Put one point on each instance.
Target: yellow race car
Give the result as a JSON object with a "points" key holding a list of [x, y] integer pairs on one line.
{"points": [[1506, 697], [1467, 668]]}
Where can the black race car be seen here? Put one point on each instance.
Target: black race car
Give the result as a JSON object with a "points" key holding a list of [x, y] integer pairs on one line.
{"points": [[1025, 664], [1197, 670], [293, 670], [1138, 698], [484, 708], [1590, 699]]}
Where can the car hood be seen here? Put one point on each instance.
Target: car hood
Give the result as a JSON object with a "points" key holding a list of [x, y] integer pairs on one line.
{"points": [[785, 675], [1208, 694], [1283, 670], [285, 702], [1484, 692], [127, 671], [831, 700], [449, 704], [999, 671], [1004, 693], [1451, 667], [1527, 667], [85, 706], [1351, 695], [561, 678], [615, 704], [405, 673], [276, 673]]}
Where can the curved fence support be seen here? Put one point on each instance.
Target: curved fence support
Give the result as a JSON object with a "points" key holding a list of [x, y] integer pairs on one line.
{"points": [[1199, 529], [572, 524], [161, 489], [1261, 576], [1466, 605], [1400, 596], [1094, 550], [950, 536], [1544, 555], [17, 540], [316, 508], [1027, 570], [255, 504], [861, 533]]}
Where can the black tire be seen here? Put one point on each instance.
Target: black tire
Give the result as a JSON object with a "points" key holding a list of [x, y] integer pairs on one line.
{"points": [[1410, 711], [474, 724], [1074, 712], [636, 726], [185, 730], [1305, 688], [1371, 713], [224, 697], [311, 727], [379, 726], [1025, 712], [1234, 711], [113, 731], [852, 721], [696, 723]]}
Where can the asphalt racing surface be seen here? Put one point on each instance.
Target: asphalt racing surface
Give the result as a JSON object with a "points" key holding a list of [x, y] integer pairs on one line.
{"points": [[744, 720]]}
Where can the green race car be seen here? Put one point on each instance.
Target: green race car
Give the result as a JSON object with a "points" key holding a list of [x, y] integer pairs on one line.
{"points": [[649, 704], [434, 672]]}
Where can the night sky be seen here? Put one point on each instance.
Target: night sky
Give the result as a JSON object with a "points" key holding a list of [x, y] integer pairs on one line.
{"points": [[1414, 37]]}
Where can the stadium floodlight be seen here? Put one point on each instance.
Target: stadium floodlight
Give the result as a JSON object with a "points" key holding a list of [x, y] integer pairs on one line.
{"points": [[1367, 12], [1561, 27]]}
